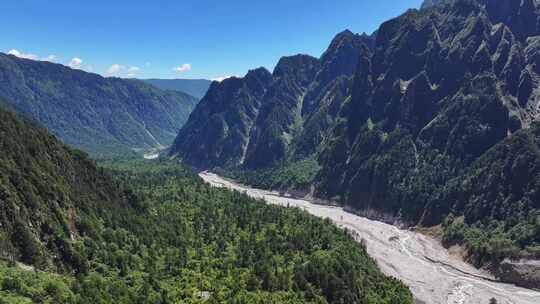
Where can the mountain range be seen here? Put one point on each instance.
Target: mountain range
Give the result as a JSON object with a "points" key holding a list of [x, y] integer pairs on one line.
{"points": [[432, 120], [194, 87], [102, 116], [266, 117]]}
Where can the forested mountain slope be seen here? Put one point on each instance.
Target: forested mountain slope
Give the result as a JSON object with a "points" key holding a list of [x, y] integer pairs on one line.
{"points": [[103, 116], [50, 195], [167, 238], [435, 126]]}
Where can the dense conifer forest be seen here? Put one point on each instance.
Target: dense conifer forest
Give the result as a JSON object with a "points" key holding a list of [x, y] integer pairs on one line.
{"points": [[136, 231]]}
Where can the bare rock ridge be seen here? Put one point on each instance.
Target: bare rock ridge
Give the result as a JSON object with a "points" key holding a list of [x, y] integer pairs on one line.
{"points": [[238, 119]]}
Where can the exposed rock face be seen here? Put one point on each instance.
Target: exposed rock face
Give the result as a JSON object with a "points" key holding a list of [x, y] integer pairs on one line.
{"points": [[218, 131], [442, 87], [520, 16], [281, 109], [524, 273], [263, 119], [103, 116]]}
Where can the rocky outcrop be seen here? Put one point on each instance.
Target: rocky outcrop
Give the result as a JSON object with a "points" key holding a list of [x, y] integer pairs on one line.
{"points": [[431, 3], [523, 273], [280, 115]]}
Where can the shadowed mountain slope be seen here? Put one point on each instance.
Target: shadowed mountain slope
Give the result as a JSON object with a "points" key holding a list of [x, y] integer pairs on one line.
{"points": [[263, 119]]}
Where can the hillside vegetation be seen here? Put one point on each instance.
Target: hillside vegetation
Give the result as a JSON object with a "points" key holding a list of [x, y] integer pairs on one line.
{"points": [[102, 116], [152, 232]]}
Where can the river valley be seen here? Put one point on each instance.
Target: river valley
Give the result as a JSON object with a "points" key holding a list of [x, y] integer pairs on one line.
{"points": [[432, 273]]}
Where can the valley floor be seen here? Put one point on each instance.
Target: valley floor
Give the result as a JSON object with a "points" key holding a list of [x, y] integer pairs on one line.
{"points": [[421, 262]]}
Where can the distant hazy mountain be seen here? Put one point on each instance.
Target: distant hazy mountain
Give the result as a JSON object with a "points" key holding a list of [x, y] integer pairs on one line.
{"points": [[194, 87], [102, 116]]}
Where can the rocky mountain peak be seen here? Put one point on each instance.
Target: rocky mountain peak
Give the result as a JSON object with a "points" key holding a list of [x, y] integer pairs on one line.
{"points": [[258, 80], [295, 65], [259, 73], [346, 39], [341, 57], [431, 3]]}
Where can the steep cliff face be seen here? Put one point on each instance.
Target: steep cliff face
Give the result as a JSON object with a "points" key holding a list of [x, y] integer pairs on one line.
{"points": [[443, 84], [218, 131], [103, 116], [435, 120], [264, 119], [521, 16], [431, 93], [280, 116]]}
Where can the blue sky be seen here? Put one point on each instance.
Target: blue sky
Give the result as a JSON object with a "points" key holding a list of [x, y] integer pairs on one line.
{"points": [[182, 38]]}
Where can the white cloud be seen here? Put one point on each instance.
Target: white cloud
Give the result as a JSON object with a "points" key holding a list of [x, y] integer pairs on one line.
{"points": [[132, 71], [22, 55], [220, 79], [14, 52], [186, 67], [75, 63], [114, 69], [50, 58], [122, 71]]}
